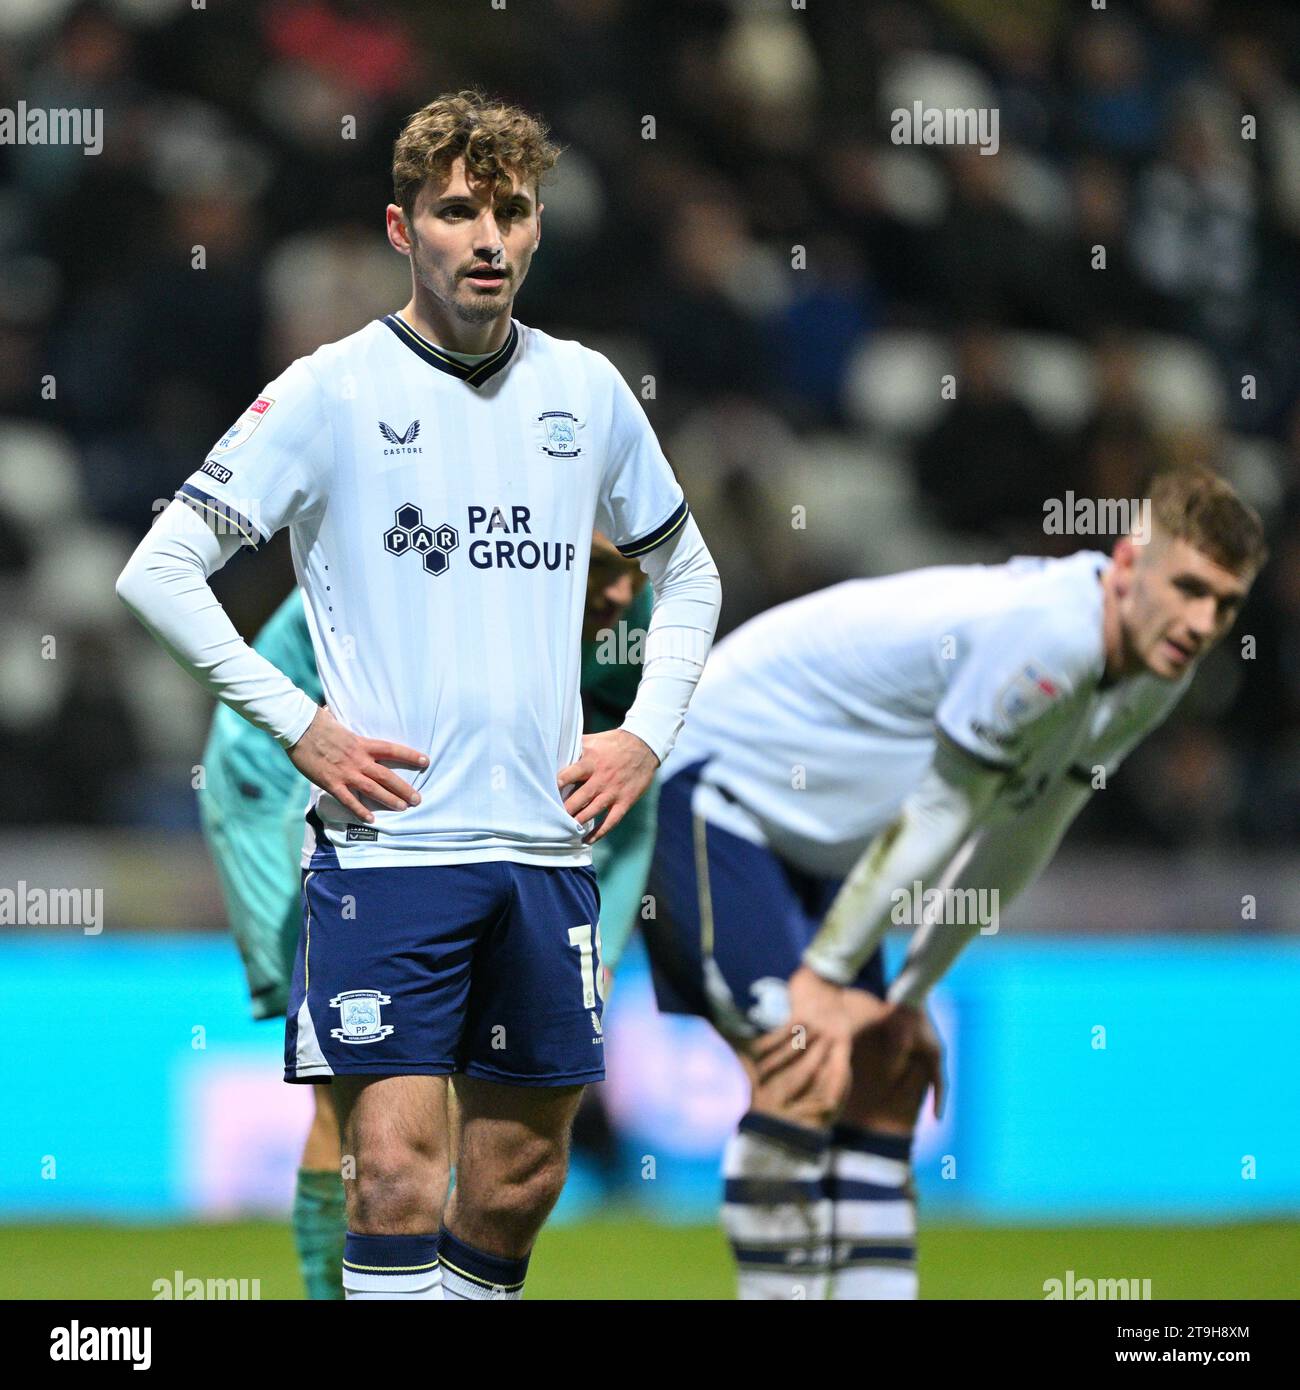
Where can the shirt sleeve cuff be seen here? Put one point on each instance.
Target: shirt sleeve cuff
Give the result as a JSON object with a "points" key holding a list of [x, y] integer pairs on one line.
{"points": [[654, 733], [301, 721], [838, 972]]}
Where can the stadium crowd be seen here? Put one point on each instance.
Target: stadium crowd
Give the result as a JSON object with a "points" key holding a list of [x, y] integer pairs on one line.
{"points": [[732, 223]]}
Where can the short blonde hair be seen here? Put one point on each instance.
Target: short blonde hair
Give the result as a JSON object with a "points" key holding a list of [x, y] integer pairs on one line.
{"points": [[497, 141], [1197, 506]]}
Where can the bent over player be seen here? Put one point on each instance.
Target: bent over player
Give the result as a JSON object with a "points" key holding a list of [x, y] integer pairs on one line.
{"points": [[441, 472], [938, 728]]}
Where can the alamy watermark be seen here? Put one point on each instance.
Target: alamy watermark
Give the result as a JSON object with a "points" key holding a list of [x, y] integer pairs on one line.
{"points": [[945, 125], [60, 125], [953, 907], [53, 907], [225, 516], [625, 645], [1084, 1289], [1098, 516], [191, 1289], [74, 1342]]}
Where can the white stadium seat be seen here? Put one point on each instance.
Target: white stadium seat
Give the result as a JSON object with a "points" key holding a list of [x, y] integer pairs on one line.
{"points": [[893, 382]]}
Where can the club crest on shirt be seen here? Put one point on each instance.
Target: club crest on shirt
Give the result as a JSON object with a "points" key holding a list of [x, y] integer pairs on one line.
{"points": [[401, 442], [359, 1016], [1027, 695], [559, 434], [242, 430]]}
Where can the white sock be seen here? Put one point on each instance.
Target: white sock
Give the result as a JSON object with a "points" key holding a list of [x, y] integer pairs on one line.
{"points": [[470, 1275], [381, 1267], [775, 1210], [870, 1184]]}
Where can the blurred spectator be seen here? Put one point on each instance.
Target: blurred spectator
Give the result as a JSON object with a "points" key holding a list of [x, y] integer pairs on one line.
{"points": [[987, 465], [733, 224], [1194, 235]]}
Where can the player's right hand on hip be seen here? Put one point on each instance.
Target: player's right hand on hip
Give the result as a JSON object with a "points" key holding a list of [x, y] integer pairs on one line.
{"points": [[349, 767]]}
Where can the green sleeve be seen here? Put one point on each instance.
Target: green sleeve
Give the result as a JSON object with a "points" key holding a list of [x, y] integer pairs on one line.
{"points": [[247, 770], [285, 642], [622, 858], [622, 864], [611, 669]]}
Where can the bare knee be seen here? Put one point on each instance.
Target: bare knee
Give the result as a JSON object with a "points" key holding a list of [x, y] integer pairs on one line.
{"points": [[873, 1103], [808, 1091], [503, 1204], [395, 1189]]}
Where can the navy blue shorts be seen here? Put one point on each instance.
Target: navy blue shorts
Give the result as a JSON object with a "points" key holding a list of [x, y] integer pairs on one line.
{"points": [[487, 969], [724, 949]]}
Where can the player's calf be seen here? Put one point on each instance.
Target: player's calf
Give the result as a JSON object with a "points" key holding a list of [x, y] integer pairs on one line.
{"points": [[502, 1207], [776, 1212], [511, 1164], [870, 1182]]}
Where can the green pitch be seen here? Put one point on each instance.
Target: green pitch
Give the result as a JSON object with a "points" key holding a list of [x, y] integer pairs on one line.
{"points": [[633, 1259]]}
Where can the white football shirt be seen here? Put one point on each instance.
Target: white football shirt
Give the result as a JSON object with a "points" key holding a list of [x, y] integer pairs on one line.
{"points": [[820, 716], [440, 517]]}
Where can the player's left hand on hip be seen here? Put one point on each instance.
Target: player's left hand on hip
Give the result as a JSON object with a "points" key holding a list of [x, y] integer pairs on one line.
{"points": [[614, 770]]}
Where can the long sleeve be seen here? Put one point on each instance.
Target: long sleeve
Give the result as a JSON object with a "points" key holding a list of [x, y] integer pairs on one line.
{"points": [[688, 598], [932, 825], [1006, 859], [165, 584]]}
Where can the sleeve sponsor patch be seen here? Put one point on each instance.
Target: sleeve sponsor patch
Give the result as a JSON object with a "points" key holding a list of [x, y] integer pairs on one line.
{"points": [[214, 470], [1027, 695], [242, 430]]}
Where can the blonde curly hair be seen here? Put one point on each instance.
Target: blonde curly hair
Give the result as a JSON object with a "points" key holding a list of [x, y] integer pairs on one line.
{"points": [[497, 140]]}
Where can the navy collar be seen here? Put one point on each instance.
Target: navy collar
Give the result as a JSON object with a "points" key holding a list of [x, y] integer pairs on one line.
{"points": [[435, 356]]}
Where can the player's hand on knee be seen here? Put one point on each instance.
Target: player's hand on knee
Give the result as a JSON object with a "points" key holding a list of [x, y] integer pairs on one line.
{"points": [[816, 1013], [812, 1083], [614, 770], [815, 1091], [349, 767], [901, 1048], [830, 1088], [927, 1057], [865, 1011]]}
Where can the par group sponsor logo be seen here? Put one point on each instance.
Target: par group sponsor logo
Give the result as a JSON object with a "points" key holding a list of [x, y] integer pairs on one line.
{"points": [[409, 532]]}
